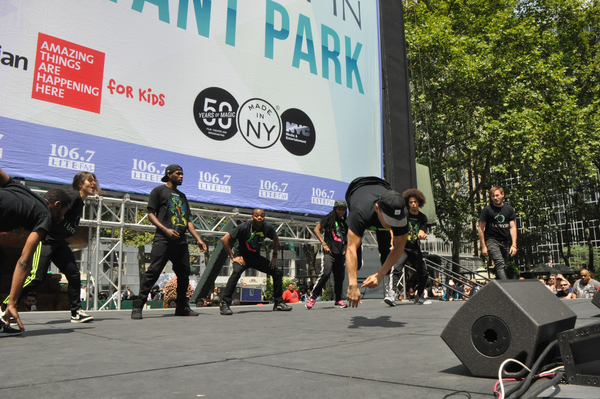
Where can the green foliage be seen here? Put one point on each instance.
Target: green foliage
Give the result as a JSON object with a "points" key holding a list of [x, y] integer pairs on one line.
{"points": [[580, 256], [506, 90], [287, 281], [328, 294], [268, 293]]}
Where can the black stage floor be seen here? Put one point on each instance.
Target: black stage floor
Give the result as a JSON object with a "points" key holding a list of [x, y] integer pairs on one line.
{"points": [[371, 352]]}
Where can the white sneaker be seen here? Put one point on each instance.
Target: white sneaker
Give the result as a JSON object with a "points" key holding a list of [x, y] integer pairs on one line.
{"points": [[421, 301], [390, 300], [81, 317]]}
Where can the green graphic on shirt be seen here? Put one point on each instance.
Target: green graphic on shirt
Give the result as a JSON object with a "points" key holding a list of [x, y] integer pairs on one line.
{"points": [[413, 231], [255, 241], [177, 211]]}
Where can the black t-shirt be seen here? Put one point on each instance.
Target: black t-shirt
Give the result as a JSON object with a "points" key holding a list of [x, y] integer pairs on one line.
{"points": [[21, 207], [415, 223], [497, 221], [66, 228], [337, 238], [362, 215], [249, 239], [172, 210]]}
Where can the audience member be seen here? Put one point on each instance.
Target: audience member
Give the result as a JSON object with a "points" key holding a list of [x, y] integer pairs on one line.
{"points": [[291, 295], [466, 291], [31, 302], [586, 286], [565, 292], [437, 290], [552, 283], [127, 294]]}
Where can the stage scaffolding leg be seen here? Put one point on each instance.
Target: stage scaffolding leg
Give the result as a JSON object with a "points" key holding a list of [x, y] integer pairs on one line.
{"points": [[213, 268]]}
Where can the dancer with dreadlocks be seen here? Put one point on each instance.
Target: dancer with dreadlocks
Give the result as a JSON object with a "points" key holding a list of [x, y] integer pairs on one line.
{"points": [[334, 240], [412, 250]]}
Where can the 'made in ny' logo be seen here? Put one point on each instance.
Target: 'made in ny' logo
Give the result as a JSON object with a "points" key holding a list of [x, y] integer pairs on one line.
{"points": [[259, 123]]}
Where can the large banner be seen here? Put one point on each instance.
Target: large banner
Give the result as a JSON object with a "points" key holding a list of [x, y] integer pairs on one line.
{"points": [[264, 103]]}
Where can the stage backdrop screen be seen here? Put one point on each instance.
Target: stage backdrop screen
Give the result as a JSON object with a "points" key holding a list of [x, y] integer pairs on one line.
{"points": [[264, 103]]}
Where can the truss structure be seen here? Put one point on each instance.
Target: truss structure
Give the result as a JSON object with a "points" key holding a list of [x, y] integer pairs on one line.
{"points": [[109, 218]]}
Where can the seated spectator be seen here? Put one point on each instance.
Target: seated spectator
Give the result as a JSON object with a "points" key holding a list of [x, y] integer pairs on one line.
{"points": [[31, 302], [291, 295], [437, 290], [172, 303], [559, 278], [467, 292], [410, 293], [565, 292], [306, 295], [449, 294], [460, 288], [214, 293], [552, 283]]}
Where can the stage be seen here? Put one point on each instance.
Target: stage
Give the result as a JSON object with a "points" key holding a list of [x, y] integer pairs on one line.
{"points": [[374, 351]]}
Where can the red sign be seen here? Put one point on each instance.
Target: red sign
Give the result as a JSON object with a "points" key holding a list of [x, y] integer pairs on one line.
{"points": [[68, 74]]}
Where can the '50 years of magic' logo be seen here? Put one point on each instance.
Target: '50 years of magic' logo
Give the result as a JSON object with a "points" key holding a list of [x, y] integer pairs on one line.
{"points": [[220, 117]]}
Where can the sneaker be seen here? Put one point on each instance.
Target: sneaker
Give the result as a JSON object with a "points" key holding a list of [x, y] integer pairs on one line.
{"points": [[7, 331], [136, 313], [3, 312], [310, 303], [340, 305], [136, 309], [419, 300], [185, 312], [390, 300], [225, 309], [80, 317], [280, 305]]}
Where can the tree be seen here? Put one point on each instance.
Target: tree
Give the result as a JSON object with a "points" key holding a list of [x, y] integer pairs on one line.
{"points": [[506, 92]]}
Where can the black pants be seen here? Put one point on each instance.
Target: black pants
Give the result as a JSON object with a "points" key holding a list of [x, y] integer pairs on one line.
{"points": [[418, 263], [331, 263], [162, 252], [261, 264], [59, 253], [499, 252]]}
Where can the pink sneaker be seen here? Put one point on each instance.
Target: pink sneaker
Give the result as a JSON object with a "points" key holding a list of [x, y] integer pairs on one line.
{"points": [[310, 303], [340, 305]]}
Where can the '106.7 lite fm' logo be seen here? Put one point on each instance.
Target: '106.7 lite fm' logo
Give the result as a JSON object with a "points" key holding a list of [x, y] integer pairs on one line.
{"points": [[219, 117]]}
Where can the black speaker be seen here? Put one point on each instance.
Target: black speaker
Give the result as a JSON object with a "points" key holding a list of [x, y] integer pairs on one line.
{"points": [[580, 353], [506, 319], [596, 299]]}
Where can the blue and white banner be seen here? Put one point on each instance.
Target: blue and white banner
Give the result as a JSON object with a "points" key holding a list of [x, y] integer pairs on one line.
{"points": [[264, 103]]}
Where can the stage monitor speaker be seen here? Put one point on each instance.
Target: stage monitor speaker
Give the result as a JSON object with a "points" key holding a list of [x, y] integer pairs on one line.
{"points": [[596, 299], [580, 353], [506, 319]]}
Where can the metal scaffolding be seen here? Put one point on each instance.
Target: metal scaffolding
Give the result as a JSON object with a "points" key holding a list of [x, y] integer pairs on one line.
{"points": [[109, 218]]}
